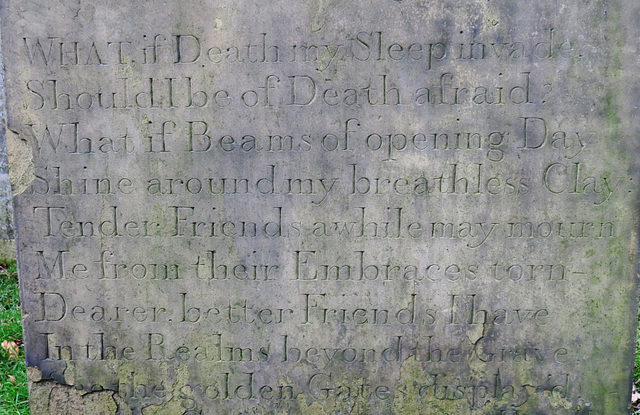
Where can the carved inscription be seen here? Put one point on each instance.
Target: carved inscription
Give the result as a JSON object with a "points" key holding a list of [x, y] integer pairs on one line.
{"points": [[415, 208]]}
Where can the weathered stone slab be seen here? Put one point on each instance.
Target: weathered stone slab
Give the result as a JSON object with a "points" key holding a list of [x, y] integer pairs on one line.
{"points": [[390, 207], [7, 249]]}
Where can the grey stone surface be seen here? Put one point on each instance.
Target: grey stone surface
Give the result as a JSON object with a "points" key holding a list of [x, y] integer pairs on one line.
{"points": [[6, 205], [389, 207]]}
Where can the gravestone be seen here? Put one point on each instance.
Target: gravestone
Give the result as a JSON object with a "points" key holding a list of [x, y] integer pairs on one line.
{"points": [[7, 245], [389, 207]]}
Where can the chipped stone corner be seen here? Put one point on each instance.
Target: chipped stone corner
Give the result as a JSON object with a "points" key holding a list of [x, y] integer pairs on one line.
{"points": [[16, 154], [21, 166], [48, 397]]}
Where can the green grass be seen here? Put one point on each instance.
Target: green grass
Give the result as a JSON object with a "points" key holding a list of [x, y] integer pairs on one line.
{"points": [[635, 406], [13, 398], [636, 369]]}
